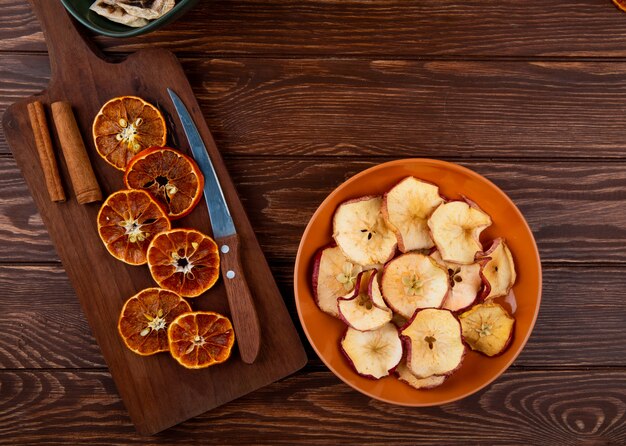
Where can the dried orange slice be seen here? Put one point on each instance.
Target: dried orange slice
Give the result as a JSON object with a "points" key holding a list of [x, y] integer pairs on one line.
{"points": [[145, 318], [173, 179], [184, 261], [128, 220], [201, 339], [125, 126]]}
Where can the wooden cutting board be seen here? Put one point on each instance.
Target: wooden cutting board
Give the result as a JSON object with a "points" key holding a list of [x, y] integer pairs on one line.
{"points": [[157, 392]]}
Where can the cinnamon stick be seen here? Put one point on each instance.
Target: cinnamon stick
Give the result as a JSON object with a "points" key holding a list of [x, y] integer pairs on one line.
{"points": [[43, 142], [81, 173]]}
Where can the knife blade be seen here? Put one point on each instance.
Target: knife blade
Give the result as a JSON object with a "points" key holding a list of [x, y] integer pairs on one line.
{"points": [[243, 312]]}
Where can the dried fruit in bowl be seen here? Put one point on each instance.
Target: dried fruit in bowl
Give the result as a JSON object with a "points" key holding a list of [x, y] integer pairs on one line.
{"points": [[361, 232], [499, 269], [403, 268], [465, 283], [434, 343], [334, 275], [455, 227], [365, 308], [487, 328], [407, 207], [373, 354], [413, 281], [405, 375]]}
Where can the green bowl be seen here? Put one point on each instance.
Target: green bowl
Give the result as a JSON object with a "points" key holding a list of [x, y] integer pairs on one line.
{"points": [[101, 25]]}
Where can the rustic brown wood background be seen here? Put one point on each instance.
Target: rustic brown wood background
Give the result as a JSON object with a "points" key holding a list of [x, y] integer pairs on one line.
{"points": [[302, 94]]}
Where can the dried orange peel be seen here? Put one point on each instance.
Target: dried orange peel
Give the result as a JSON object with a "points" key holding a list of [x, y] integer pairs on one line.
{"points": [[184, 261], [169, 176], [200, 339], [424, 303], [127, 221], [145, 318], [125, 126]]}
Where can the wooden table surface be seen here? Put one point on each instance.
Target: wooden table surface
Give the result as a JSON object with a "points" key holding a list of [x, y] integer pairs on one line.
{"points": [[302, 94]]}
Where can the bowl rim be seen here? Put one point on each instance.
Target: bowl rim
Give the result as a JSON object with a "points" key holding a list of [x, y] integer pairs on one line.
{"points": [[447, 165], [153, 25]]}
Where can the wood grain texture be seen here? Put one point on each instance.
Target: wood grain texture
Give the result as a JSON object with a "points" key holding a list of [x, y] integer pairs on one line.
{"points": [[42, 324], [570, 207], [23, 236], [530, 28], [300, 95], [521, 407], [580, 323], [399, 108], [574, 209]]}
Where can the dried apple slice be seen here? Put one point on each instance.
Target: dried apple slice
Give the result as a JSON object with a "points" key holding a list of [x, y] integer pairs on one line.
{"points": [[499, 269], [407, 207], [365, 309], [413, 281], [405, 375], [487, 328], [374, 291], [375, 353], [361, 232], [455, 228], [465, 283], [333, 276], [434, 344]]}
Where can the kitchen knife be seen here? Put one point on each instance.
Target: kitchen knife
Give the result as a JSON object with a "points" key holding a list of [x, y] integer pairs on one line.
{"points": [[245, 319]]}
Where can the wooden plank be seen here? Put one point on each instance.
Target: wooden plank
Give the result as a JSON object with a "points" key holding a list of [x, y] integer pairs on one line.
{"points": [[581, 321], [357, 27], [42, 323], [398, 108], [23, 236], [575, 209], [20, 77], [523, 407]]}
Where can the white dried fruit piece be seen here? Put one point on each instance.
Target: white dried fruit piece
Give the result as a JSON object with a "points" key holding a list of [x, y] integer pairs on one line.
{"points": [[145, 9], [499, 269], [407, 207], [333, 276], [487, 328], [365, 309], [434, 344], [374, 290], [455, 228], [465, 283], [375, 353], [117, 14], [361, 232], [405, 375], [414, 281]]}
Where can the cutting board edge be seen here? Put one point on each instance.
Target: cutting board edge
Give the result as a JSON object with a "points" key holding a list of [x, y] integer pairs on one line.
{"points": [[11, 126], [151, 432]]}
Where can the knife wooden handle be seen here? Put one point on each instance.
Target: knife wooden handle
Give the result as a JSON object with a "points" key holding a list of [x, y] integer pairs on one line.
{"points": [[245, 319]]}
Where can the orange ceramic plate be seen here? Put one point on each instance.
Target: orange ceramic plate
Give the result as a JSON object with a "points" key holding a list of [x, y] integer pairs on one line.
{"points": [[453, 180]]}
